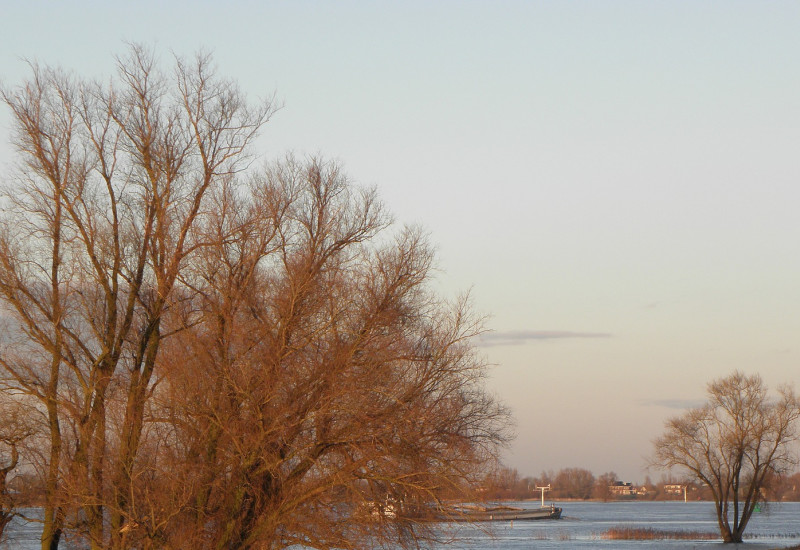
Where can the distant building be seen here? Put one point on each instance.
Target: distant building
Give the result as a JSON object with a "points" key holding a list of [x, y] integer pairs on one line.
{"points": [[622, 489], [673, 489]]}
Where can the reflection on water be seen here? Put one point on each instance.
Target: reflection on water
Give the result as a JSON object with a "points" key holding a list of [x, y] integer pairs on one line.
{"points": [[776, 526]]}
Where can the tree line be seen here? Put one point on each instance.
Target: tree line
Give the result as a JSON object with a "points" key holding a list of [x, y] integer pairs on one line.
{"points": [[568, 483], [199, 350], [506, 483]]}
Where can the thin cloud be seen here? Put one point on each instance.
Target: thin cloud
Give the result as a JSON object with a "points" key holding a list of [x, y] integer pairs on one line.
{"points": [[519, 337], [681, 404]]}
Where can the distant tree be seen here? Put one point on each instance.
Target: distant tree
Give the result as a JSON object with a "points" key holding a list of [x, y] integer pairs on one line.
{"points": [[529, 485], [503, 482], [573, 483], [733, 444], [792, 487], [776, 487], [545, 478], [602, 486]]}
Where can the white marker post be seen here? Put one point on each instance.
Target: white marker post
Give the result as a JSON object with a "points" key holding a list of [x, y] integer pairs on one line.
{"points": [[543, 489]]}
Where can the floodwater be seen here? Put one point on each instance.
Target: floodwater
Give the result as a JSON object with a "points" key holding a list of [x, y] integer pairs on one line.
{"points": [[582, 526], [22, 535], [584, 523]]}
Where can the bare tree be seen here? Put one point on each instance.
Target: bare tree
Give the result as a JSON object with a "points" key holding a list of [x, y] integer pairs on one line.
{"points": [[334, 385], [503, 482], [602, 486], [32, 250], [111, 182], [574, 483], [733, 445], [225, 356]]}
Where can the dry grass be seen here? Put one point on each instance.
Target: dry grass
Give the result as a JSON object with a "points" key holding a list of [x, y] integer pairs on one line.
{"points": [[646, 533], [564, 536]]}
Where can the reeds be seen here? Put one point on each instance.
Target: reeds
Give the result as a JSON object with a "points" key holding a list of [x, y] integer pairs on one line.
{"points": [[648, 533]]}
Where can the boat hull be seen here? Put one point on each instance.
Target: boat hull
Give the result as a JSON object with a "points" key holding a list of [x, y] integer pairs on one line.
{"points": [[503, 514]]}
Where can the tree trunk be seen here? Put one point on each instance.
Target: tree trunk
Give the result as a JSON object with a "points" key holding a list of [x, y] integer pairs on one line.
{"points": [[132, 426], [51, 532]]}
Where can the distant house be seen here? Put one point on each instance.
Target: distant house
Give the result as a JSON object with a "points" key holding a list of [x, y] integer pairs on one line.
{"points": [[622, 489], [673, 489]]}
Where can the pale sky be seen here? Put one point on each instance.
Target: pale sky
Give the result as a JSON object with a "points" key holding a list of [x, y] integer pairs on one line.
{"points": [[616, 182]]}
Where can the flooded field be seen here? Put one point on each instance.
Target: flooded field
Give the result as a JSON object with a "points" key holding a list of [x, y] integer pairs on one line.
{"points": [[583, 525]]}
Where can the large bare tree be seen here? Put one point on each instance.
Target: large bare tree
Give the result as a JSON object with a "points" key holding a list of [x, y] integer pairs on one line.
{"points": [[733, 445], [329, 385], [111, 181], [225, 355]]}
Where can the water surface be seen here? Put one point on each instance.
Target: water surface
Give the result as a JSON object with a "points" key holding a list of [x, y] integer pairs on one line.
{"points": [[582, 527], [584, 523]]}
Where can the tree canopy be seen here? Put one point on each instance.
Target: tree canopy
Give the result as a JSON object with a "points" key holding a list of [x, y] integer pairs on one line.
{"points": [[733, 444], [222, 354]]}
